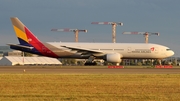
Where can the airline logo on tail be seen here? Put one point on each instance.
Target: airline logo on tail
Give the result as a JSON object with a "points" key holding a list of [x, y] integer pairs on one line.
{"points": [[24, 35], [27, 38]]}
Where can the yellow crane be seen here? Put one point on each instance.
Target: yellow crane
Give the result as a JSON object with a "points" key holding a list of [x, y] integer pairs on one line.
{"points": [[76, 31], [114, 24], [146, 34]]}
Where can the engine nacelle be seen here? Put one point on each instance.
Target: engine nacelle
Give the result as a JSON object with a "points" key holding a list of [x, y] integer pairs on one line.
{"points": [[113, 57]]}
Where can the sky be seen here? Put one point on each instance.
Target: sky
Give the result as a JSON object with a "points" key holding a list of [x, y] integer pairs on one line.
{"points": [[40, 16]]}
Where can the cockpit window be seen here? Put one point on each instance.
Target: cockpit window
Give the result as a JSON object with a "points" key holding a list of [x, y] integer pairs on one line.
{"points": [[168, 49]]}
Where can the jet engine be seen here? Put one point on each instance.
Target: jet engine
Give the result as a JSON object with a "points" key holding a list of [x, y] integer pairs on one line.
{"points": [[113, 57]]}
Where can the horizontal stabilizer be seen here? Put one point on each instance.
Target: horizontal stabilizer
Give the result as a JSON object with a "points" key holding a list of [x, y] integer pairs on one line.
{"points": [[21, 46]]}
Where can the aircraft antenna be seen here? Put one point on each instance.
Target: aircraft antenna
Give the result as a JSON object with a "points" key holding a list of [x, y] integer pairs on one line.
{"points": [[114, 24]]}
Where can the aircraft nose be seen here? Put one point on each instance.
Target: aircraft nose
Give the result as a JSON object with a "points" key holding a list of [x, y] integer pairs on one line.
{"points": [[171, 53]]}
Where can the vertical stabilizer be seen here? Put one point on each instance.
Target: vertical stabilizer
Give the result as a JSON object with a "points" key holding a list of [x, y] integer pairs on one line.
{"points": [[24, 35], [27, 38]]}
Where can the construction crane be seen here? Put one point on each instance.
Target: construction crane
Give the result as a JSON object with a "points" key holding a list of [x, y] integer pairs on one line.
{"points": [[146, 34], [114, 24], [76, 31]]}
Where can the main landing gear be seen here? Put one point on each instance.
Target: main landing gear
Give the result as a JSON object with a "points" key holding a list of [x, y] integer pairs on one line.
{"points": [[90, 61]]}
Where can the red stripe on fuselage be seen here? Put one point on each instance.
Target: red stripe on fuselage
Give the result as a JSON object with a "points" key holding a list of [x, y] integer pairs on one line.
{"points": [[38, 44]]}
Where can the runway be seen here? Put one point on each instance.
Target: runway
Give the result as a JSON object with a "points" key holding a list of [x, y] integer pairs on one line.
{"points": [[53, 70]]}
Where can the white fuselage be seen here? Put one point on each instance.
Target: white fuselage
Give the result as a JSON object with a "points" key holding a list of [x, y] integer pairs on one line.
{"points": [[127, 50]]}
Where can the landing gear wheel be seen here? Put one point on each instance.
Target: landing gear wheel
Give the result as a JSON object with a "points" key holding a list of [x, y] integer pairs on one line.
{"points": [[90, 64]]}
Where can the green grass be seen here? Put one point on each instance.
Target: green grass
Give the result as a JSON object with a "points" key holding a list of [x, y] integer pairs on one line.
{"points": [[89, 87]]}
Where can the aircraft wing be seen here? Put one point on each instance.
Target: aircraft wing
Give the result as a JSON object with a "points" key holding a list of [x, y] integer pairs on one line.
{"points": [[21, 46], [83, 51]]}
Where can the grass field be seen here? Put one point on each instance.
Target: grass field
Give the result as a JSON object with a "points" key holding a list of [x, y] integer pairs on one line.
{"points": [[89, 87]]}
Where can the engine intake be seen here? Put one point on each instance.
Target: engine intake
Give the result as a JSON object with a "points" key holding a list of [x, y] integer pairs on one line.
{"points": [[113, 57]]}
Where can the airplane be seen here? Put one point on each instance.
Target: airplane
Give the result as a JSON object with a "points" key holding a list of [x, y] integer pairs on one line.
{"points": [[110, 52]]}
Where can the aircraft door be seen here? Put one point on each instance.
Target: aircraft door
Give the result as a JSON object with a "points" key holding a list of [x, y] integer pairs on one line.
{"points": [[129, 49], [156, 50]]}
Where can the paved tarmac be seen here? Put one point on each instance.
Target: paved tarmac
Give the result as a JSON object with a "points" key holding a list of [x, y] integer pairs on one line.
{"points": [[54, 70]]}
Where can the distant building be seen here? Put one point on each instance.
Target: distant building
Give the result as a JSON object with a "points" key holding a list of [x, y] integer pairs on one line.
{"points": [[13, 60], [6, 51]]}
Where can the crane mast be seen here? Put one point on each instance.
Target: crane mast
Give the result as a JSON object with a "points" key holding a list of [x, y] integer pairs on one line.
{"points": [[76, 31], [146, 34], [114, 24]]}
